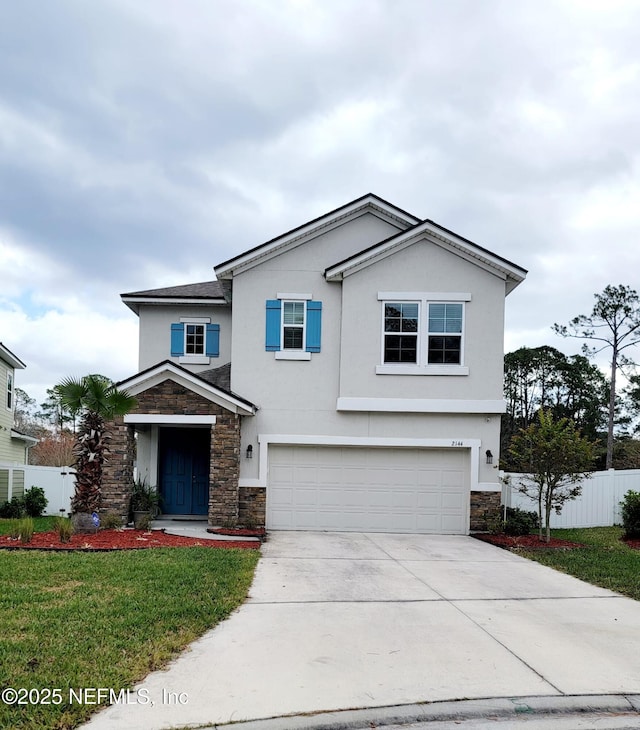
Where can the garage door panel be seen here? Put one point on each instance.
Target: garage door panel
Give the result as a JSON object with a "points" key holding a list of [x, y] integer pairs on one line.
{"points": [[368, 489]]}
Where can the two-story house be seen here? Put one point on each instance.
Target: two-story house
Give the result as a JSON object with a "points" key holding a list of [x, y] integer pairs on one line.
{"points": [[346, 375], [14, 445]]}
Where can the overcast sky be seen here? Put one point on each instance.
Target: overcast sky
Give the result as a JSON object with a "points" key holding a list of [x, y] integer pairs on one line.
{"points": [[142, 142]]}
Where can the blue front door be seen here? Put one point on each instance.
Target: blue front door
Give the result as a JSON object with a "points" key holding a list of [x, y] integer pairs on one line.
{"points": [[184, 470]]}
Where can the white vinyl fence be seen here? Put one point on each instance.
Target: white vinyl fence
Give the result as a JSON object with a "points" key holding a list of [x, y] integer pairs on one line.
{"points": [[58, 484], [597, 506]]}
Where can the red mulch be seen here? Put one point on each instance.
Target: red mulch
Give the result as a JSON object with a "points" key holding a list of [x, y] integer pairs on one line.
{"points": [[528, 542], [105, 540], [635, 544]]}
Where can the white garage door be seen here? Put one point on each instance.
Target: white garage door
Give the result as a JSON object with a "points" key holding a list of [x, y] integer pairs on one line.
{"points": [[368, 489]]}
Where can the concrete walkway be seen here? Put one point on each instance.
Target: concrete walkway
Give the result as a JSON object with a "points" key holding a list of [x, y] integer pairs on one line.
{"points": [[350, 620]]}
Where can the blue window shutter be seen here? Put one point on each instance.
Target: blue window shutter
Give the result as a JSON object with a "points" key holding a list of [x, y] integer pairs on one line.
{"points": [[273, 325], [212, 348], [314, 326], [177, 339]]}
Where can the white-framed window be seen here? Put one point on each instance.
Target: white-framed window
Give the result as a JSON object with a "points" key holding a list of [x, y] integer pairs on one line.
{"points": [[423, 333], [194, 338], [10, 390], [445, 333], [401, 332], [293, 325]]}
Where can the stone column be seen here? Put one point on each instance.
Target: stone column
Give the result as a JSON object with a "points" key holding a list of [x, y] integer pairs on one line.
{"points": [[224, 470], [117, 473]]}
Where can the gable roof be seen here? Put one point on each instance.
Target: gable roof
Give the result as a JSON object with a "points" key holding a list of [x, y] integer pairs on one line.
{"points": [[209, 292], [429, 230], [167, 370], [368, 203], [13, 360]]}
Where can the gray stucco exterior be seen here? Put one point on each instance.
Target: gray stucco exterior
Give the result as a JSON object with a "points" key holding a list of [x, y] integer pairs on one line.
{"points": [[351, 261]]}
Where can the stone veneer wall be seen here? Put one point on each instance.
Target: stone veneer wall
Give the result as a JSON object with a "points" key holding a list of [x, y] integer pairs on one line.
{"points": [[484, 510], [117, 471], [170, 398], [252, 506]]}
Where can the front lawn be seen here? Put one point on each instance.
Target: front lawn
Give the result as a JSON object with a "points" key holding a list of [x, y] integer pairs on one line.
{"points": [[76, 621], [604, 561]]}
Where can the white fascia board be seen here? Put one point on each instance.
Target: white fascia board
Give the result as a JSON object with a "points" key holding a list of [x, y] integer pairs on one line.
{"points": [[420, 405], [134, 302], [201, 301], [427, 231], [23, 437], [147, 380], [9, 357], [177, 420], [311, 230], [264, 440]]}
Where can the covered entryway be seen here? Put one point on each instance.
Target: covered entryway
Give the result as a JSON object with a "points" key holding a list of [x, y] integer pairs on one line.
{"points": [[408, 490], [184, 470]]}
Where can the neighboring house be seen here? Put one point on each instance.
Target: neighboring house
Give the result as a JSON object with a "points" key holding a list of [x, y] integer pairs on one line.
{"points": [[346, 375], [14, 446]]}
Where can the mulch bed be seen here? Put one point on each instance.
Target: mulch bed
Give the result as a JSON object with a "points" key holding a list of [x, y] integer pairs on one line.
{"points": [[527, 542], [635, 544], [106, 540]]}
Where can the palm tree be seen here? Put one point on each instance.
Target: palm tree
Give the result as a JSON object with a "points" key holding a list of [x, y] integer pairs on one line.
{"points": [[97, 400]]}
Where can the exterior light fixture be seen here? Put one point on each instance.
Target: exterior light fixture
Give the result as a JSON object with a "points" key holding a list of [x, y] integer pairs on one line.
{"points": [[249, 452], [489, 457]]}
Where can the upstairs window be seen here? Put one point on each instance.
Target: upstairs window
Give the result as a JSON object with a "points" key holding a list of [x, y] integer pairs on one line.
{"points": [[194, 339], [423, 333], [9, 390], [401, 332], [445, 334], [293, 322], [293, 326]]}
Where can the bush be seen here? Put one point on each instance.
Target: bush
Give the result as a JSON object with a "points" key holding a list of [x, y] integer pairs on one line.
{"points": [[35, 502], [631, 514], [520, 522], [110, 521], [13, 509], [64, 527], [25, 530]]}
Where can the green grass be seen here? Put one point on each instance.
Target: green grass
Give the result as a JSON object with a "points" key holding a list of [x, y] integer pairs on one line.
{"points": [[83, 620], [604, 561]]}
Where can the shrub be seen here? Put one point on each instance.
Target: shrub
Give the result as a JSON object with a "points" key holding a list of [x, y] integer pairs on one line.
{"points": [[25, 530], [64, 527], [13, 509], [14, 529], [520, 522], [110, 520], [35, 501], [631, 514]]}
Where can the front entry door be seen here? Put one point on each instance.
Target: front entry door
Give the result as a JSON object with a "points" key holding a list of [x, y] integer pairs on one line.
{"points": [[184, 470]]}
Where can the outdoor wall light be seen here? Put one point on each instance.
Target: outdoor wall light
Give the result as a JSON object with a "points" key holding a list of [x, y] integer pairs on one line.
{"points": [[249, 452], [489, 457]]}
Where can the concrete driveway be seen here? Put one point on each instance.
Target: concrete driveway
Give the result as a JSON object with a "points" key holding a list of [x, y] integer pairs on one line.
{"points": [[348, 620]]}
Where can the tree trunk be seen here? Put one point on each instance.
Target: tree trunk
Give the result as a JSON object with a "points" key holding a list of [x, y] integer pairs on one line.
{"points": [[547, 516], [612, 408]]}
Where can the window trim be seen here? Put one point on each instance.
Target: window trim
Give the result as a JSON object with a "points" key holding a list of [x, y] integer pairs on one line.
{"points": [[303, 326], [423, 299], [311, 327], [10, 399]]}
